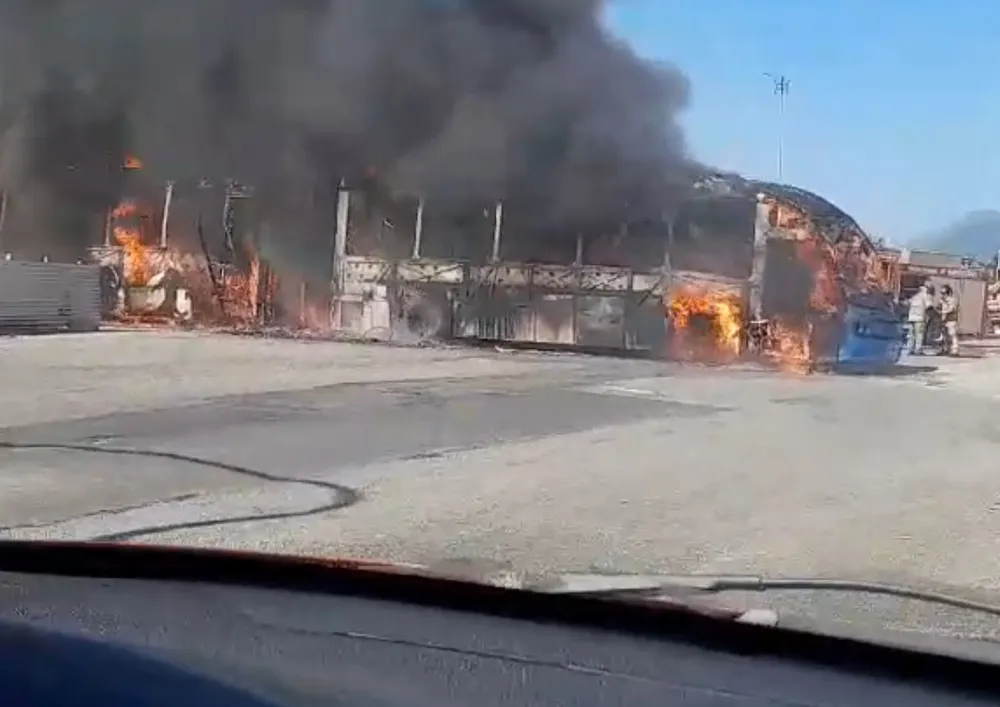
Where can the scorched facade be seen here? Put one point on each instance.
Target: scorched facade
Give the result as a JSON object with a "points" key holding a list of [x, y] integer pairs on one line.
{"points": [[740, 268]]}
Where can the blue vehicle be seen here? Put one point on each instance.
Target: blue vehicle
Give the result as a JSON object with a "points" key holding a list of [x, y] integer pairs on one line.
{"points": [[871, 337]]}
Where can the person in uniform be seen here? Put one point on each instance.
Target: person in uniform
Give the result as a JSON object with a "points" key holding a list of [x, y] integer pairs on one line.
{"points": [[933, 324], [949, 314], [917, 319]]}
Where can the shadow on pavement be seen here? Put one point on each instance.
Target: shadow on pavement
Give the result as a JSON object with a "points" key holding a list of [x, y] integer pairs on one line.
{"points": [[893, 371]]}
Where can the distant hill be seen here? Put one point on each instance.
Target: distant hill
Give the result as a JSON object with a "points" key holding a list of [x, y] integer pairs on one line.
{"points": [[976, 234]]}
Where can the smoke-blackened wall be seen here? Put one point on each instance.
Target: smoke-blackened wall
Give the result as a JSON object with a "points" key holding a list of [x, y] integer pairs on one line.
{"points": [[464, 101]]}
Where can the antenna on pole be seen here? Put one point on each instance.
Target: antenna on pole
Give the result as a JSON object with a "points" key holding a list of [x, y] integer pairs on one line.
{"points": [[781, 87]]}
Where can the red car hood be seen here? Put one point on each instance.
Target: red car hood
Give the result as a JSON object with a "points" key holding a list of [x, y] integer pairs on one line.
{"points": [[113, 556]]}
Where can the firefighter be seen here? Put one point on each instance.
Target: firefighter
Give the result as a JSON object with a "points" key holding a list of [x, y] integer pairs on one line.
{"points": [[917, 319], [949, 314]]}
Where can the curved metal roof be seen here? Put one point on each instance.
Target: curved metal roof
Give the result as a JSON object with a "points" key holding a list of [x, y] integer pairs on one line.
{"points": [[832, 222]]}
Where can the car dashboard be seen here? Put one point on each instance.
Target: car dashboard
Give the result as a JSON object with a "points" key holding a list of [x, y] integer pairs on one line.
{"points": [[72, 640]]}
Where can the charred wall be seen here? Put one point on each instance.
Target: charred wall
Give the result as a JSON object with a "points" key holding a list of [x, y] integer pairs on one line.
{"points": [[714, 235], [789, 283]]}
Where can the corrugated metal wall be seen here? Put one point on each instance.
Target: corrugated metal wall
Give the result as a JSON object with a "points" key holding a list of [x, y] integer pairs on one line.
{"points": [[45, 296]]}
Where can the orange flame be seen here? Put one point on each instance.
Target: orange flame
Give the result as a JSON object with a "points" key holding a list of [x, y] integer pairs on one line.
{"points": [[136, 253], [232, 296], [125, 209], [791, 347], [723, 315], [216, 293], [246, 294]]}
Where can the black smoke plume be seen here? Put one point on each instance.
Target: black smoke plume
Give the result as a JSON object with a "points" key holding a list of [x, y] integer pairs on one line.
{"points": [[463, 101]]}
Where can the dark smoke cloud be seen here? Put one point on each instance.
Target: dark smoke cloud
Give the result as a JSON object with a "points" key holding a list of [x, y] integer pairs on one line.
{"points": [[465, 101]]}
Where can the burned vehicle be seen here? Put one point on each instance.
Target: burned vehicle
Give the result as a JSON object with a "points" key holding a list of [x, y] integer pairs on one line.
{"points": [[741, 268]]}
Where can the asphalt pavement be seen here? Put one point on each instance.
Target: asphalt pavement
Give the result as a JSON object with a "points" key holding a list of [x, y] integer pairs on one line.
{"points": [[527, 462]]}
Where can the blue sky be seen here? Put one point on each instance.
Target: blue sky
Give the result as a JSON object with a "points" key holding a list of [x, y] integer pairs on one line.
{"points": [[893, 111]]}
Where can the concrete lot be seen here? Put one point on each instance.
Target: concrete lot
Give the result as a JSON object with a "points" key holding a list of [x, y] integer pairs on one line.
{"points": [[535, 462]]}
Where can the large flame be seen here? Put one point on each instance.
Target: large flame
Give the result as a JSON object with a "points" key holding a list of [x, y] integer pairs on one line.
{"points": [[221, 293], [791, 346], [719, 311], [129, 237]]}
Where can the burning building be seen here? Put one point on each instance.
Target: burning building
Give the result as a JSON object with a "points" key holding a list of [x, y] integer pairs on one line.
{"points": [[812, 289], [465, 103], [171, 253], [548, 211], [739, 268]]}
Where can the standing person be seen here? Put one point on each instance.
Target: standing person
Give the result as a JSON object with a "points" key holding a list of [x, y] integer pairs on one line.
{"points": [[917, 319], [933, 324], [949, 313]]}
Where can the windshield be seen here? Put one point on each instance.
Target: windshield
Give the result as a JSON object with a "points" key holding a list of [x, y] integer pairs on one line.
{"points": [[329, 279]]}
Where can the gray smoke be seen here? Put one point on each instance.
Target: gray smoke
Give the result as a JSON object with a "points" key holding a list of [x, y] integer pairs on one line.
{"points": [[463, 101]]}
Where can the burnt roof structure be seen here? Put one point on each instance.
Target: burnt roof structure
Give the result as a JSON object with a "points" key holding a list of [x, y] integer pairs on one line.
{"points": [[834, 224]]}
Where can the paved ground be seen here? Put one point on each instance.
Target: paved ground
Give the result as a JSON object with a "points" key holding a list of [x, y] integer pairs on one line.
{"points": [[538, 462]]}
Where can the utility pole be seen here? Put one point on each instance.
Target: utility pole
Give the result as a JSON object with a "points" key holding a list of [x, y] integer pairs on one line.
{"points": [[781, 86]]}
